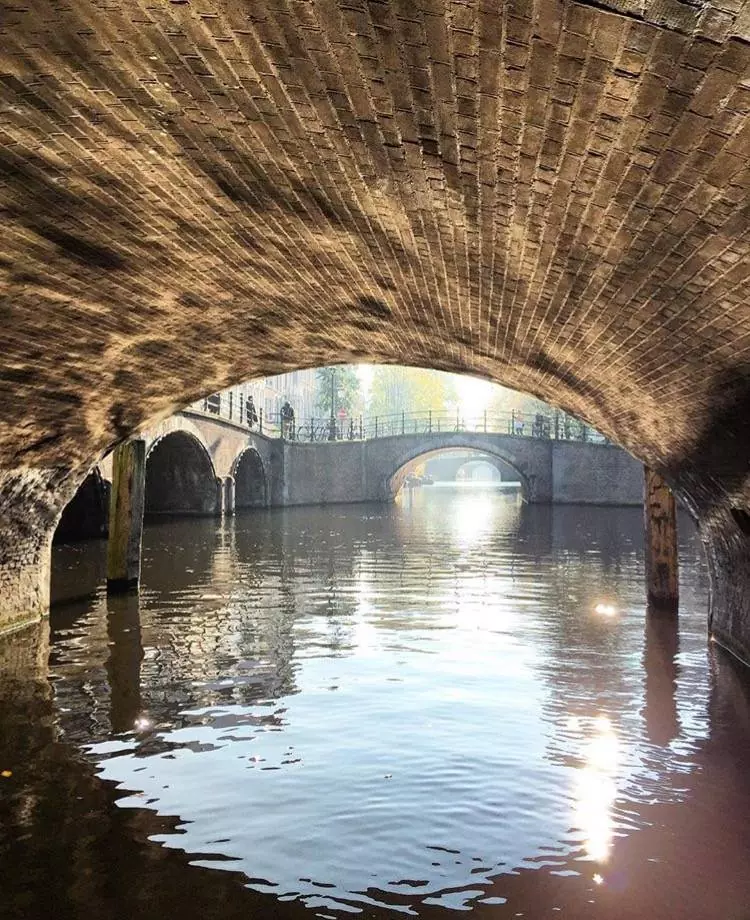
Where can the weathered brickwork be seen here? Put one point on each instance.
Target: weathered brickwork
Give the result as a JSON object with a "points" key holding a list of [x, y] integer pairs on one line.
{"points": [[30, 503], [553, 195]]}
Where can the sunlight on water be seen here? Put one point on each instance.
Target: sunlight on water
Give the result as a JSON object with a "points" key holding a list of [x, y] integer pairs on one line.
{"points": [[596, 789], [452, 703]]}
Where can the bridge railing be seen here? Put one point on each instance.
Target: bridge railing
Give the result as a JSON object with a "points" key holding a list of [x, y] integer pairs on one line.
{"points": [[556, 425]]}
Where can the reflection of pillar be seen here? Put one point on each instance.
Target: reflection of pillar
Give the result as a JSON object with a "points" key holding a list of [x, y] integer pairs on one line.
{"points": [[228, 496], [24, 657], [126, 516], [729, 707], [660, 544], [659, 659], [124, 662]]}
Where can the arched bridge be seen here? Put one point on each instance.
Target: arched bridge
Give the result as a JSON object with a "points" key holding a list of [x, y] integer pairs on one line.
{"points": [[198, 463], [374, 468], [451, 466], [204, 464], [393, 458]]}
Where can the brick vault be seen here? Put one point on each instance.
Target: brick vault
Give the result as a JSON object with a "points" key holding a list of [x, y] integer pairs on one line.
{"points": [[553, 195]]}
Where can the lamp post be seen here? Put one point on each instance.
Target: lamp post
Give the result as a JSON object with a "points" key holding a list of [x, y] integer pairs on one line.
{"points": [[332, 423]]}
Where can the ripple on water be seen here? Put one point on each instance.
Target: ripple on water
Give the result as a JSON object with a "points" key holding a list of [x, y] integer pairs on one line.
{"points": [[453, 703]]}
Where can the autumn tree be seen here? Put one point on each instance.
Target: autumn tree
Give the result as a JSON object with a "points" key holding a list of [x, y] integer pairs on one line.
{"points": [[410, 389]]}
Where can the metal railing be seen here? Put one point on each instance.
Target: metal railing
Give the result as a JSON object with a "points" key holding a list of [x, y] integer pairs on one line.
{"points": [[549, 426]]}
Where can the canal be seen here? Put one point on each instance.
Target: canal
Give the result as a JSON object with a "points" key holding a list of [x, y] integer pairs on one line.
{"points": [[451, 703]]}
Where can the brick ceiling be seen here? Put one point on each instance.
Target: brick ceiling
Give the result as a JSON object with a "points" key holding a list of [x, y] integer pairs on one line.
{"points": [[554, 195]]}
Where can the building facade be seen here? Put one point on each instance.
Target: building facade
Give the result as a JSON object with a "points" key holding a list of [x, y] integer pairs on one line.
{"points": [[269, 394]]}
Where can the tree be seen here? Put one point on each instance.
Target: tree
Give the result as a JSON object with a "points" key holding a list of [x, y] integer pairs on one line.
{"points": [[410, 389], [343, 383]]}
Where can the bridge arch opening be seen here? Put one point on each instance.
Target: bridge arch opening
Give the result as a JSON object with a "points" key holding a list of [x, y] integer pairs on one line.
{"points": [[250, 488], [452, 466], [408, 468], [480, 470], [86, 516], [180, 477]]}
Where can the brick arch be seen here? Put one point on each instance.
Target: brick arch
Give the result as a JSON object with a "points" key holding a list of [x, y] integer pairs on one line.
{"points": [[250, 480], [175, 424], [560, 206], [86, 515], [180, 476], [525, 471], [488, 459]]}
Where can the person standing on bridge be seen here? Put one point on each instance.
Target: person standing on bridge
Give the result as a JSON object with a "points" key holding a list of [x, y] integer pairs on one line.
{"points": [[287, 421], [290, 421], [251, 413]]}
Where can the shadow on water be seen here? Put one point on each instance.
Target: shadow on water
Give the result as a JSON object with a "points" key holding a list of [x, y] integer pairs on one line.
{"points": [[461, 701]]}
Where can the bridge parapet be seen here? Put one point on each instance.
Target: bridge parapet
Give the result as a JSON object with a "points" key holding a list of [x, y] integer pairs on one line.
{"points": [[553, 425]]}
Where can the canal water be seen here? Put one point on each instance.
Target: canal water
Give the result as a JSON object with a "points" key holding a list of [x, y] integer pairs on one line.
{"points": [[454, 703]]}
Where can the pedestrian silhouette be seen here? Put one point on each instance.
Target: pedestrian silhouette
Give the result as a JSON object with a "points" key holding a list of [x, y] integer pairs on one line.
{"points": [[251, 413]]}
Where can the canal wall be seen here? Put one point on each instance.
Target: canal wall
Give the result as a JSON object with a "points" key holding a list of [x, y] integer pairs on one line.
{"points": [[595, 474], [326, 473]]}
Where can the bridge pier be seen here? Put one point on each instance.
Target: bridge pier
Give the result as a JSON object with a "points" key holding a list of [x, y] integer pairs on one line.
{"points": [[662, 588], [227, 496], [31, 500], [126, 516]]}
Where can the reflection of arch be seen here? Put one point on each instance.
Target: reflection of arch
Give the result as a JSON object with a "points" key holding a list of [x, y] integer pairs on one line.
{"points": [[249, 480], [489, 453], [180, 477], [86, 515]]}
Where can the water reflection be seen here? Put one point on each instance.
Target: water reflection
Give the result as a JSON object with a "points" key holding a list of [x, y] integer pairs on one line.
{"points": [[124, 662], [596, 788], [379, 710], [660, 651]]}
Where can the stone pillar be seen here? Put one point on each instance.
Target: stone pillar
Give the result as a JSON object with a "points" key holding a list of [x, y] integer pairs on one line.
{"points": [[661, 544], [126, 516], [228, 496], [30, 503]]}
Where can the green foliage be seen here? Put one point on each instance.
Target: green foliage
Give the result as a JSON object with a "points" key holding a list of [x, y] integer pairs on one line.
{"points": [[410, 389], [343, 382]]}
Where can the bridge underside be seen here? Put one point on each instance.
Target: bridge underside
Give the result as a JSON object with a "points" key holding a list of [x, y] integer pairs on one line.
{"points": [[552, 195]]}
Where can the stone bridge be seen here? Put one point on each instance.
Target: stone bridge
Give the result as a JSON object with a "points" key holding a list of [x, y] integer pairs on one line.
{"points": [[445, 467], [550, 194], [549, 470], [196, 463], [205, 465]]}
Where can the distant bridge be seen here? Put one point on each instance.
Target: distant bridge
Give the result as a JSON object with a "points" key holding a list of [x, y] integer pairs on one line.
{"points": [[201, 463], [446, 466]]}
